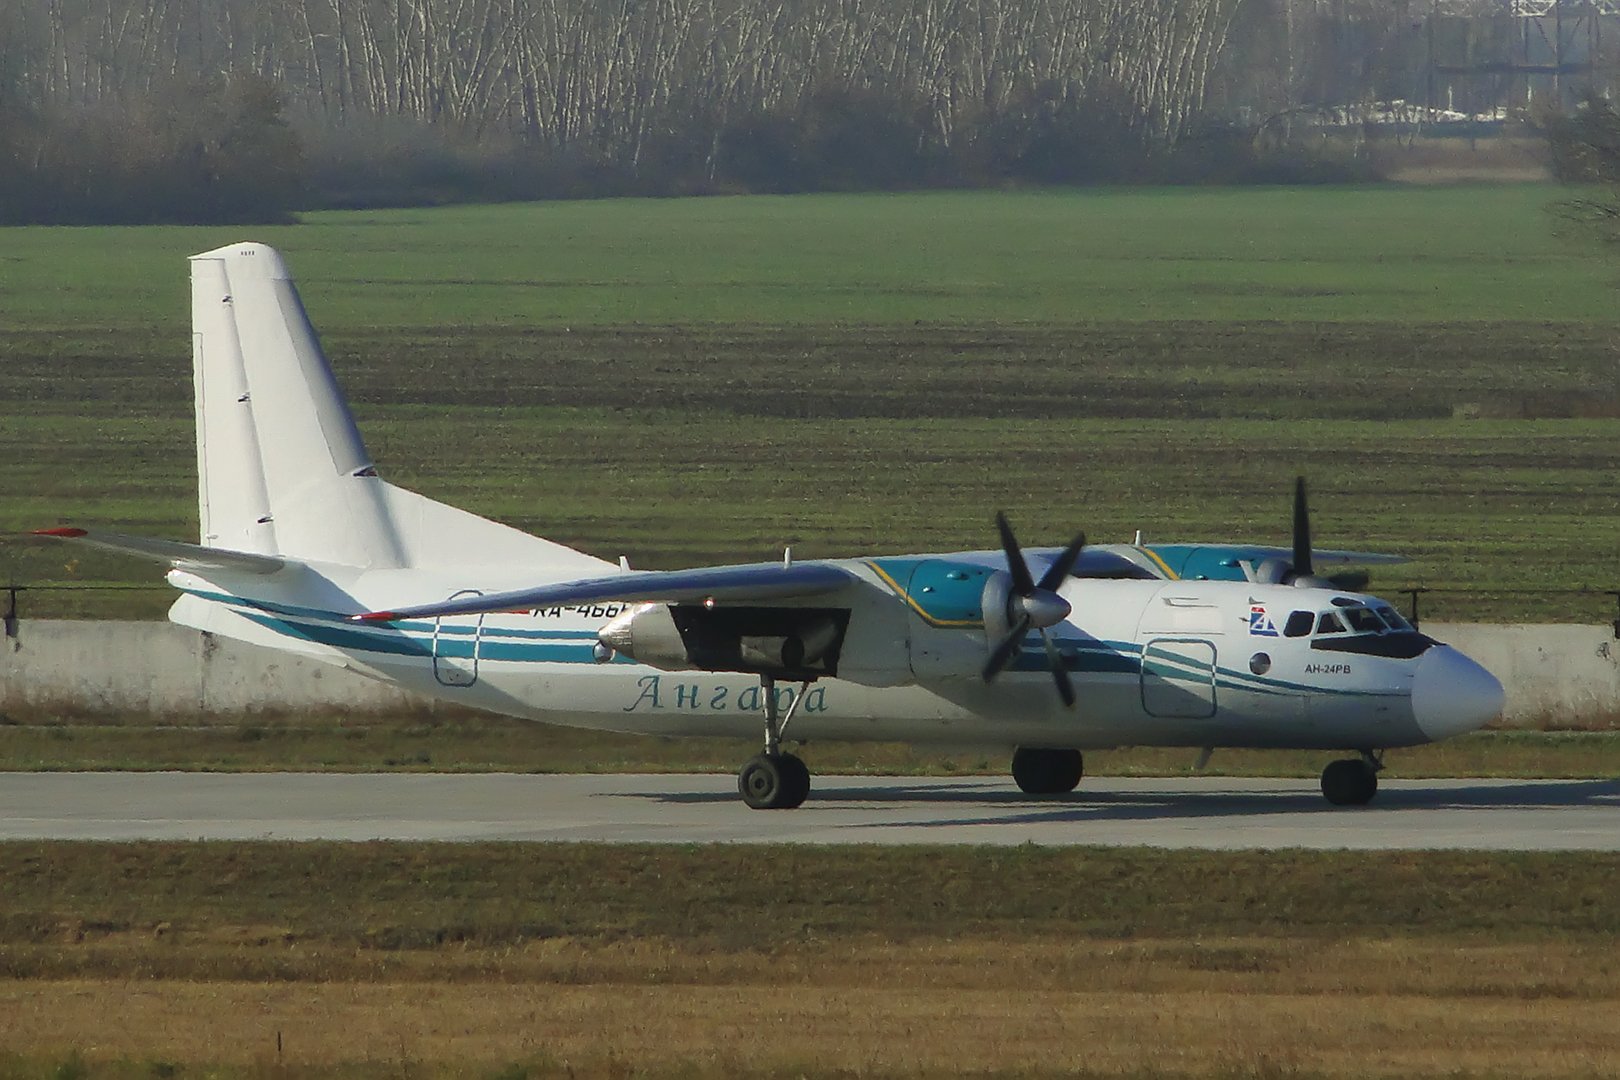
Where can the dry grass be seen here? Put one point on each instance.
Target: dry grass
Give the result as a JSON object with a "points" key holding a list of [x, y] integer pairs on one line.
{"points": [[1180, 1007], [140, 960]]}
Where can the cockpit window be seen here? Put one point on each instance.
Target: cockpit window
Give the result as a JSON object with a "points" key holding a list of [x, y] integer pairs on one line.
{"points": [[1395, 645], [1299, 624], [1363, 621], [1393, 617], [1372, 631]]}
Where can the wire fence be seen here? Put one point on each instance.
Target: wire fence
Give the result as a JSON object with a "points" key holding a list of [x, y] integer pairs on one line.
{"points": [[1415, 594], [12, 615]]}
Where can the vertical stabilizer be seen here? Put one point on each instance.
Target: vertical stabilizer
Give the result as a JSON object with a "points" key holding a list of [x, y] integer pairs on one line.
{"points": [[282, 468]]}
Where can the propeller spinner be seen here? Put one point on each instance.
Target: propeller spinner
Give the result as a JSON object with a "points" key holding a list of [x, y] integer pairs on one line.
{"points": [[1014, 602]]}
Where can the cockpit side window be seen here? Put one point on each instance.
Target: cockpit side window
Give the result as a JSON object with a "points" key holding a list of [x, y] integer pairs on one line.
{"points": [[1393, 617], [1329, 624], [1363, 621], [1299, 624]]}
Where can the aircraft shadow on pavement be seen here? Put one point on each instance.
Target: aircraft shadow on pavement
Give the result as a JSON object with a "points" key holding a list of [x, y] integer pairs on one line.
{"points": [[1083, 805]]}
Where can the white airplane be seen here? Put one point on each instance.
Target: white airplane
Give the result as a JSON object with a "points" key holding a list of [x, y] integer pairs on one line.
{"points": [[305, 549]]}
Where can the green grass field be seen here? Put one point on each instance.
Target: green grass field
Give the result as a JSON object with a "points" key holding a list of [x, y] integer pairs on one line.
{"points": [[693, 380], [1024, 258]]}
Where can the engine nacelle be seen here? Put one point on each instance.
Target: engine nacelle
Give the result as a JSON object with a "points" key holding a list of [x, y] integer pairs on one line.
{"points": [[647, 633], [796, 643], [1275, 571]]}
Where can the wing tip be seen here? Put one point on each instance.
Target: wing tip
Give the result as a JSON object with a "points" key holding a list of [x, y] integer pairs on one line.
{"points": [[374, 616], [62, 532]]}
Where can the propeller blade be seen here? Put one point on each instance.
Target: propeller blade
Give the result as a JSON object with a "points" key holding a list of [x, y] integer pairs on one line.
{"points": [[1302, 531], [1060, 670], [1059, 570], [1039, 606], [1003, 652], [1023, 584]]}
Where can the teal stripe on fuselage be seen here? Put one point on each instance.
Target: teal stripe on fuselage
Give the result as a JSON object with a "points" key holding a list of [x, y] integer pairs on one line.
{"points": [[397, 644], [397, 639], [1086, 660], [341, 638], [417, 626]]}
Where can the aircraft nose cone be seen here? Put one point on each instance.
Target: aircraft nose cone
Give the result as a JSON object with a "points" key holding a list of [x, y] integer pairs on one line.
{"points": [[1451, 694]]}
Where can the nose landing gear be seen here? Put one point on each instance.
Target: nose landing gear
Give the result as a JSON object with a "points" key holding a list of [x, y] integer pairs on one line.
{"points": [[1352, 781], [1046, 772]]}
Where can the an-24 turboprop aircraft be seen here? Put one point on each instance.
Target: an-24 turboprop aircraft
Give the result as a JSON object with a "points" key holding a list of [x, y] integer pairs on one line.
{"points": [[306, 549]]}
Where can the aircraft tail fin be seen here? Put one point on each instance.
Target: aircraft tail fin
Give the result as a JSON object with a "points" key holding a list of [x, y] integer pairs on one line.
{"points": [[282, 470]]}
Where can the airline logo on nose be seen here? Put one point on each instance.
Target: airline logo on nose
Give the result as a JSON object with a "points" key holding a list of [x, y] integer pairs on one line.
{"points": [[1260, 624]]}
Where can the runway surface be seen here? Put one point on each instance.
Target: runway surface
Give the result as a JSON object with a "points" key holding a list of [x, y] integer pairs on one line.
{"points": [[1204, 812]]}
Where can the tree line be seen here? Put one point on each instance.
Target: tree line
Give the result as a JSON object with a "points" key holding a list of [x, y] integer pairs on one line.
{"points": [[208, 109]]}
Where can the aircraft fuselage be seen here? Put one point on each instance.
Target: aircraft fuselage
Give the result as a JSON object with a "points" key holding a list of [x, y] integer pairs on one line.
{"points": [[1175, 663]]}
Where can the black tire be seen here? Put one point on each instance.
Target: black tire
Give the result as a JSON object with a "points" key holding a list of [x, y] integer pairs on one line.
{"points": [[1047, 772], [759, 782], [1349, 782], [795, 780], [773, 782]]}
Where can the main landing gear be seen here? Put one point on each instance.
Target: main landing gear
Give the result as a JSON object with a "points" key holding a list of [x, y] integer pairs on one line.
{"points": [[774, 780], [1352, 781], [1047, 772]]}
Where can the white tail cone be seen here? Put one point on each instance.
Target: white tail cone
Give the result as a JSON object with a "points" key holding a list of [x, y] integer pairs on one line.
{"points": [[1451, 694]]}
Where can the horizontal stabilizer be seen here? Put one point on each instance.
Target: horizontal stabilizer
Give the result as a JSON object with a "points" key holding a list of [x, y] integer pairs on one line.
{"points": [[759, 581], [171, 552]]}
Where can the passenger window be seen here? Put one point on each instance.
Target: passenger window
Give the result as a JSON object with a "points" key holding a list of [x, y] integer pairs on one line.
{"points": [[1299, 624], [1363, 621], [1329, 624]]}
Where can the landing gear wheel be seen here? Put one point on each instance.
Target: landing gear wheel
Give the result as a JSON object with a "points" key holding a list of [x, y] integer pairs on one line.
{"points": [[1047, 772], [1349, 782], [797, 775], [774, 782]]}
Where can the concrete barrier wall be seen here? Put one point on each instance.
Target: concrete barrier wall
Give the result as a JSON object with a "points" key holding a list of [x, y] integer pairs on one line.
{"points": [[158, 667], [1554, 673]]}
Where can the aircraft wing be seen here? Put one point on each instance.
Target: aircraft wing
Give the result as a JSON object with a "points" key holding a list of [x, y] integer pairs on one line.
{"points": [[1226, 562], [1352, 558], [173, 553], [758, 581]]}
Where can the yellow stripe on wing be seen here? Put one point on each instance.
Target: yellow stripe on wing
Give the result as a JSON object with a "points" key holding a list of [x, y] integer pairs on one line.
{"points": [[1162, 565], [906, 596]]}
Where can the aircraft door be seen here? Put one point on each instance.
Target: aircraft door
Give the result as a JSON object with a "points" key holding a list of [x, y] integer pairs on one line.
{"points": [[1178, 678], [457, 640]]}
